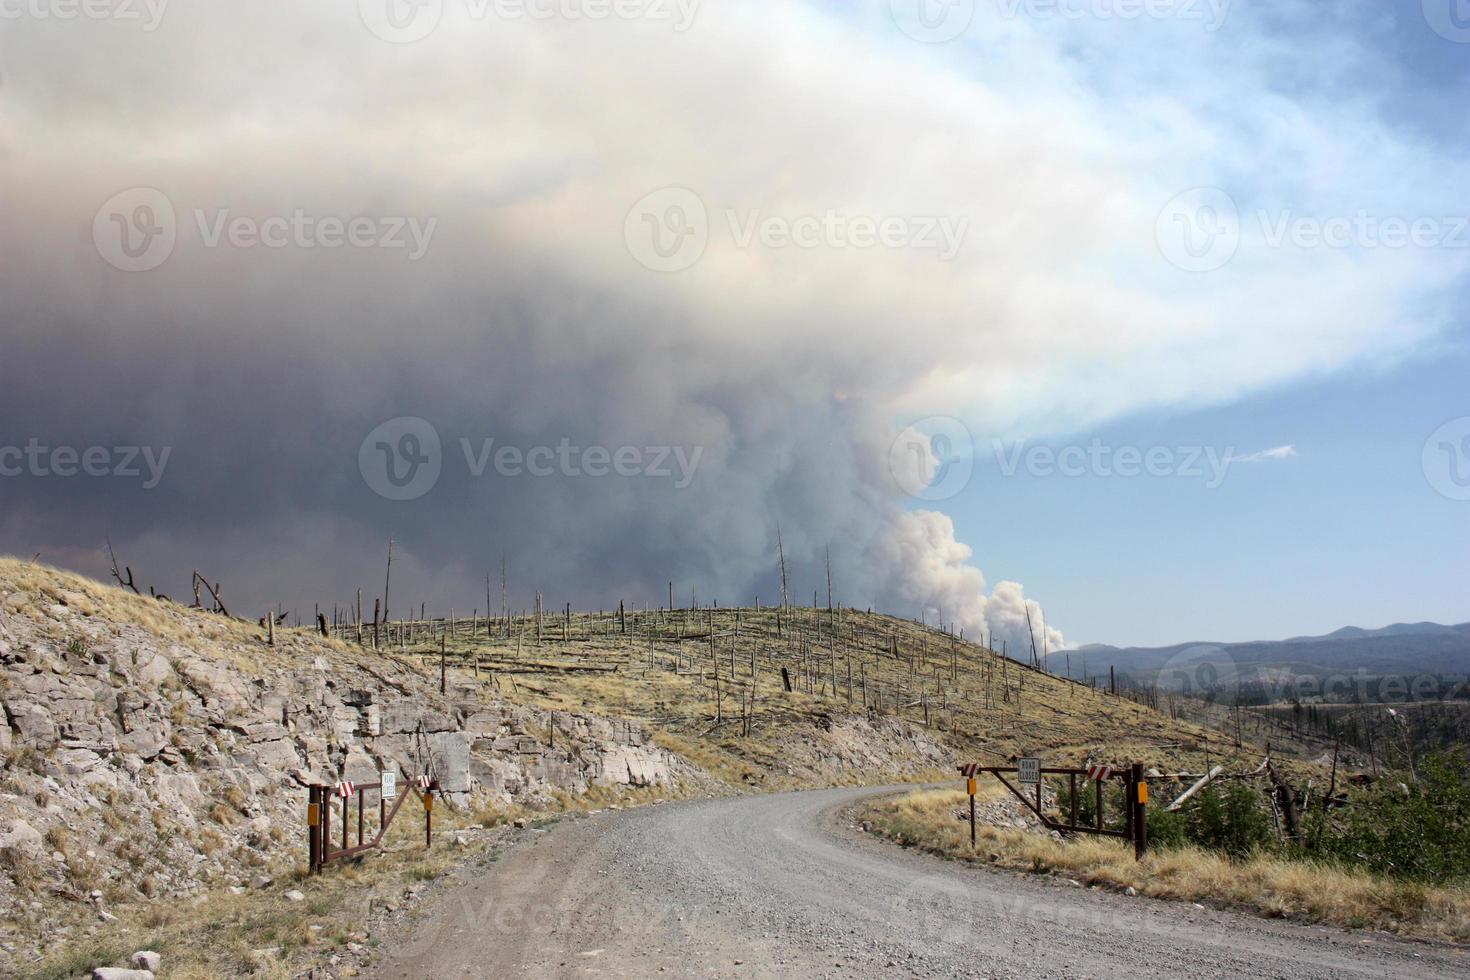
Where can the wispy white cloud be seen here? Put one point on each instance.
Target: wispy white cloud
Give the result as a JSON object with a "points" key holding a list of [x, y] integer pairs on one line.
{"points": [[1267, 455]]}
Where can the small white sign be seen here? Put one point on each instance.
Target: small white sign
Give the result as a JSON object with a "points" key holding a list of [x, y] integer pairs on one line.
{"points": [[390, 784], [1030, 771]]}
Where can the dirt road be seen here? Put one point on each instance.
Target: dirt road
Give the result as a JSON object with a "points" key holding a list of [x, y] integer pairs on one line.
{"points": [[779, 886]]}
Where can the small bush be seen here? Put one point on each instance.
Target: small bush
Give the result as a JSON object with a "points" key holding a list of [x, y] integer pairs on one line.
{"points": [[1230, 821], [1115, 812], [1419, 831]]}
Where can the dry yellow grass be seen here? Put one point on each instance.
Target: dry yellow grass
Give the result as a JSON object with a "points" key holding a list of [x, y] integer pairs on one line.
{"points": [[973, 703], [1267, 885]]}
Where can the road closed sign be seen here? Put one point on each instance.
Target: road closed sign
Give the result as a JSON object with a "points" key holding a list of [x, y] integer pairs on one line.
{"points": [[390, 785], [1030, 771]]}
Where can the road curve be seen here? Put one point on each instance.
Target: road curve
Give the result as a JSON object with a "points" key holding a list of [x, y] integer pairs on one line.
{"points": [[779, 886]]}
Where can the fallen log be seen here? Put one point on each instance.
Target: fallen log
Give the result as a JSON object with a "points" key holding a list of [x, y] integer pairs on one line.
{"points": [[1204, 781]]}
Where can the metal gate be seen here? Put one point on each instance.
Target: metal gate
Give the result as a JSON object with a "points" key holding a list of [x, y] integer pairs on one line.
{"points": [[322, 801], [1135, 797]]}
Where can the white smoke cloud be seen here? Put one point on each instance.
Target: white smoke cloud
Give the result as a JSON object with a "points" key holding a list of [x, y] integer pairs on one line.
{"points": [[932, 569], [1005, 613]]}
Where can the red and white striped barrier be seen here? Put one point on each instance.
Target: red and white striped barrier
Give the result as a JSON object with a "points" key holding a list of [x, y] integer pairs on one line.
{"points": [[1099, 773], [969, 769], [344, 789], [424, 782]]}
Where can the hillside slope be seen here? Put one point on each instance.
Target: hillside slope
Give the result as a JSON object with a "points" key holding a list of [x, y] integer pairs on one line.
{"points": [[153, 752]]}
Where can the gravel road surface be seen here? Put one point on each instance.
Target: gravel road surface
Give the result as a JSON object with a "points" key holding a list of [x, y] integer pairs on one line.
{"points": [[783, 886]]}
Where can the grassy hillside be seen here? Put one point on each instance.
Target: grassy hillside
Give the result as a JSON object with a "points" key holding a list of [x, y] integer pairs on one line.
{"points": [[710, 682]]}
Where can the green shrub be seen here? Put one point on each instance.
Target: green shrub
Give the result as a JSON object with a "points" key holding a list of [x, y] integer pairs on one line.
{"points": [[1419, 831], [1165, 829], [1230, 820], [1114, 811]]}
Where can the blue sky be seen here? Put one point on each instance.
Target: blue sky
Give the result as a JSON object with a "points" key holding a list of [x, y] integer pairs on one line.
{"points": [[1345, 528], [1349, 531]]}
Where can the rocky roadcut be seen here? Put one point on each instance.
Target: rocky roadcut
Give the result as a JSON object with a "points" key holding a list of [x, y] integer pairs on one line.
{"points": [[151, 752]]}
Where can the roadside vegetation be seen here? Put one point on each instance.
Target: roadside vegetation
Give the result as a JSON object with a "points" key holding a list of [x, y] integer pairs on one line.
{"points": [[1394, 857]]}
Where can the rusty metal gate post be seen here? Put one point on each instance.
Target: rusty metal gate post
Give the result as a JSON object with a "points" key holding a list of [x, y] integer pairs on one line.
{"points": [[313, 829], [326, 843], [1139, 806], [1129, 810]]}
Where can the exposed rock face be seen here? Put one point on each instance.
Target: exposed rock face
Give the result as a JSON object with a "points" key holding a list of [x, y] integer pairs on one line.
{"points": [[176, 755]]}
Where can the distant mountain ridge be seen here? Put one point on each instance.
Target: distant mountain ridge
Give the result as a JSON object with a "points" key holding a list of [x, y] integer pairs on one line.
{"points": [[1400, 649], [1396, 629]]}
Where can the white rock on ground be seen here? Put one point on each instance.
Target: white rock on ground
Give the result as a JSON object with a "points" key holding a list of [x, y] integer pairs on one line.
{"points": [[147, 959]]}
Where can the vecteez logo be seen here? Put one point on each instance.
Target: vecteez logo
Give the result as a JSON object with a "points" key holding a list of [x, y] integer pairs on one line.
{"points": [[1446, 459], [668, 230], [402, 458], [1199, 230], [401, 21], [408, 21], [1203, 671], [1202, 229], [933, 21], [148, 13], [933, 459], [136, 230], [1450, 19]]}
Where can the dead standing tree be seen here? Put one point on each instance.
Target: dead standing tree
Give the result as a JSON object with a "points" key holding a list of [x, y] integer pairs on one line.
{"points": [[214, 592], [781, 557], [829, 578], [128, 584], [387, 579]]}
